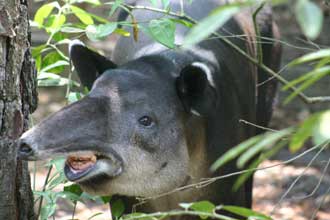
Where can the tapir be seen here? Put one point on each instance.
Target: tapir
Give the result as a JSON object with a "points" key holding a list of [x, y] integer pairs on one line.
{"points": [[156, 119]]}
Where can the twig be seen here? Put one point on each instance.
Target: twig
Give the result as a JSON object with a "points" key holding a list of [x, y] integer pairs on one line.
{"points": [[257, 126], [298, 178], [208, 181], [306, 99], [321, 203], [257, 32], [44, 189], [179, 213], [324, 172]]}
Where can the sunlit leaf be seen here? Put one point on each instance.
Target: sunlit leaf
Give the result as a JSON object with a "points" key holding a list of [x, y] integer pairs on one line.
{"points": [[320, 54], [235, 152], [245, 212], [268, 140], [321, 131], [115, 6], [59, 63], [245, 176], [303, 132], [44, 11], [83, 16], [318, 74], [210, 24], [309, 17], [74, 96], [99, 32], [72, 30], [163, 31], [203, 206], [47, 211]]}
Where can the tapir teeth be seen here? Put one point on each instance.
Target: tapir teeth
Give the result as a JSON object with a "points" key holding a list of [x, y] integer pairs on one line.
{"points": [[81, 161]]}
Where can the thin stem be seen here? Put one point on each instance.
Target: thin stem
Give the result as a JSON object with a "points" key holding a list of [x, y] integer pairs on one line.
{"points": [[257, 32], [209, 181], [44, 189], [179, 213], [298, 178], [306, 99]]}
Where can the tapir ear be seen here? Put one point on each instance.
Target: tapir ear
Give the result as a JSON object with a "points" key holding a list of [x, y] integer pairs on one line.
{"points": [[196, 89], [88, 64]]}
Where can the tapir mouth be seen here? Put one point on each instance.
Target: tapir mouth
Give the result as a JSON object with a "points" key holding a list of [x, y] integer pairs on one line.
{"points": [[82, 165], [79, 165]]}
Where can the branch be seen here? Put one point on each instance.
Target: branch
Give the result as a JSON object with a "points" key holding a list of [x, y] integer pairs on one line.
{"points": [[178, 213], [208, 181], [305, 98]]}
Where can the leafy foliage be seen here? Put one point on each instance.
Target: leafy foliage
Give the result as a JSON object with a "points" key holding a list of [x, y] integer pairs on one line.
{"points": [[65, 20]]}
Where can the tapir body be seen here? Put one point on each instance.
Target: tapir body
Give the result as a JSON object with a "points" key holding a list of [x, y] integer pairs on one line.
{"points": [[156, 119]]}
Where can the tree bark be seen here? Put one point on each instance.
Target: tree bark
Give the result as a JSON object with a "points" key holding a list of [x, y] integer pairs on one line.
{"points": [[17, 101]]}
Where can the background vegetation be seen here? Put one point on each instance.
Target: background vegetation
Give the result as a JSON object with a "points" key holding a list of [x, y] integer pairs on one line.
{"points": [[63, 21]]}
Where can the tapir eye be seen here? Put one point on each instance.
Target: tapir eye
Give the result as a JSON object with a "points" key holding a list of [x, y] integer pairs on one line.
{"points": [[146, 121]]}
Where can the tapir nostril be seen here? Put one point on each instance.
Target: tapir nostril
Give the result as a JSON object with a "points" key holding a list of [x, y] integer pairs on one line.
{"points": [[25, 148]]}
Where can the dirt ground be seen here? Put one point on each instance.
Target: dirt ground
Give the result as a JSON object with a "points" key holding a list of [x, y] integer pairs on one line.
{"points": [[308, 197]]}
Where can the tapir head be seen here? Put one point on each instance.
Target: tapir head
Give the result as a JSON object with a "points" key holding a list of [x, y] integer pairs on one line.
{"points": [[134, 133]]}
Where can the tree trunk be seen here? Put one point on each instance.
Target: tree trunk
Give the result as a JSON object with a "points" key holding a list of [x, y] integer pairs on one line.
{"points": [[17, 101]]}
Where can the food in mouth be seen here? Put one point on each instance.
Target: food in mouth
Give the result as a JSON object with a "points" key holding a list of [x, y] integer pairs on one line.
{"points": [[78, 165], [81, 162]]}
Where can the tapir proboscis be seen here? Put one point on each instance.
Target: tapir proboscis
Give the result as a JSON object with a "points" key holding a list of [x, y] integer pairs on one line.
{"points": [[155, 119]]}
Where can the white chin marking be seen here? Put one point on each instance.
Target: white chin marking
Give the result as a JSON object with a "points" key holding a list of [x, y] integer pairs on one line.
{"points": [[195, 112], [206, 70], [75, 43]]}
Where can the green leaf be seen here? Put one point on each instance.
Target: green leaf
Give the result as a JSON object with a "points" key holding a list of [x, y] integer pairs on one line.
{"points": [[248, 213], [59, 63], [115, 6], [321, 131], [74, 96], [166, 3], [36, 51], [44, 11], [68, 196], [73, 188], [106, 199], [93, 2], [56, 180], [83, 16], [303, 133], [58, 162], [71, 30], [50, 59], [210, 24], [306, 76], [309, 17], [61, 81], [203, 206], [235, 152], [55, 22], [243, 177], [320, 54], [139, 216], [47, 211], [117, 208], [154, 2], [183, 22], [268, 140], [316, 76], [99, 32], [163, 31]]}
